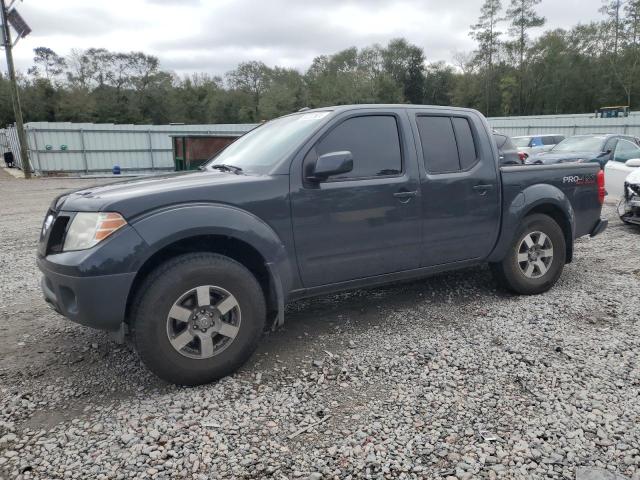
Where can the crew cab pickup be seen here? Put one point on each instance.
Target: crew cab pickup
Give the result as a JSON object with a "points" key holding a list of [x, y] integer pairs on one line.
{"points": [[195, 266]]}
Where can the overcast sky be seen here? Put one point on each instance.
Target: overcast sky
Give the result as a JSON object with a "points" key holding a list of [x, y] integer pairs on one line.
{"points": [[215, 35]]}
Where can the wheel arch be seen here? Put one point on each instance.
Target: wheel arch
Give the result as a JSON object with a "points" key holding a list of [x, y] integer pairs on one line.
{"points": [[540, 198], [558, 215], [217, 229], [238, 250]]}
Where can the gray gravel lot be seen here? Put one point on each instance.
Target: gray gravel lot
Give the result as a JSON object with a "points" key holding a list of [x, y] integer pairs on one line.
{"points": [[442, 378]]}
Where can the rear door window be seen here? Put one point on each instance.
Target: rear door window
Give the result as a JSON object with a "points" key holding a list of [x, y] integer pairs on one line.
{"points": [[373, 141], [447, 143], [466, 145], [548, 140]]}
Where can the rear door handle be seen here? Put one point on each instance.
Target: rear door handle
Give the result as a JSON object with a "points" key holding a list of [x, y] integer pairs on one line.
{"points": [[483, 189], [405, 194]]}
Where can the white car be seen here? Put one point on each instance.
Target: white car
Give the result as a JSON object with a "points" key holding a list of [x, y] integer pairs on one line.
{"points": [[629, 206], [625, 160]]}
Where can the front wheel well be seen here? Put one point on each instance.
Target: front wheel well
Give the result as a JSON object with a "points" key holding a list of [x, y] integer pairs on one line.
{"points": [[231, 247], [561, 219]]}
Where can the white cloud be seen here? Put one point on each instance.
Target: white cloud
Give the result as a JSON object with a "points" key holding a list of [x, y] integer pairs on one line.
{"points": [[215, 35]]}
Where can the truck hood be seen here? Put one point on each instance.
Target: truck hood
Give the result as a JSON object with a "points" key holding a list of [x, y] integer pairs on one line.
{"points": [[552, 157], [134, 197]]}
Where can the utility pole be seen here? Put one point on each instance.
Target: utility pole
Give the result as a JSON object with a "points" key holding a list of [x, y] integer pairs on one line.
{"points": [[17, 110]]}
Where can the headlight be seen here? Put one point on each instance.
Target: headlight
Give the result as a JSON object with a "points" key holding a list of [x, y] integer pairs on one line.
{"points": [[89, 228]]}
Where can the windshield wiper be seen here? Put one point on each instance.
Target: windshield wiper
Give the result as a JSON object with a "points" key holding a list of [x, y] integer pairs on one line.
{"points": [[227, 168]]}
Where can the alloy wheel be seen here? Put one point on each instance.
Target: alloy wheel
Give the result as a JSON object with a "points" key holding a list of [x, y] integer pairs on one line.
{"points": [[535, 254], [203, 322]]}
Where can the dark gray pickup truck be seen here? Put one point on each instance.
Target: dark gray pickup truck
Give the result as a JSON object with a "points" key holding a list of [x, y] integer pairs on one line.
{"points": [[195, 266]]}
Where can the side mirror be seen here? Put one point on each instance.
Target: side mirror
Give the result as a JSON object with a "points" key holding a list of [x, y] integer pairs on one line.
{"points": [[333, 163], [634, 162]]}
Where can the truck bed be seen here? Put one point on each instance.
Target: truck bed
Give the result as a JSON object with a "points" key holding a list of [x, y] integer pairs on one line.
{"points": [[577, 182]]}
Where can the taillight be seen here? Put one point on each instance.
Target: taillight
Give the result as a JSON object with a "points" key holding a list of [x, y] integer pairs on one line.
{"points": [[523, 156], [601, 191]]}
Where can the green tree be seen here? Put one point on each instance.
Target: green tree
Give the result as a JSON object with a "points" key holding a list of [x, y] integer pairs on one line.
{"points": [[6, 107], [626, 64], [76, 104], [47, 63], [486, 33], [405, 63], [252, 78], [439, 84], [286, 93], [613, 25], [340, 79], [632, 21], [522, 17]]}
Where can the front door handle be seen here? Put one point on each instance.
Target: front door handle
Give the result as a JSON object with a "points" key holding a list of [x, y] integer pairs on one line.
{"points": [[405, 195], [483, 189]]}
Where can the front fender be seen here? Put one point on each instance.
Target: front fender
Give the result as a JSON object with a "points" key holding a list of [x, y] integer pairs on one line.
{"points": [[165, 227], [539, 197]]}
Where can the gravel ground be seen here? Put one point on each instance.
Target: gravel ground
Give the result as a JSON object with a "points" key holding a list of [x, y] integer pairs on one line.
{"points": [[442, 378]]}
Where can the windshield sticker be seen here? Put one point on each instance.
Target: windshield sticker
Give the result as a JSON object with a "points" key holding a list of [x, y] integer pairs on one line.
{"points": [[313, 116]]}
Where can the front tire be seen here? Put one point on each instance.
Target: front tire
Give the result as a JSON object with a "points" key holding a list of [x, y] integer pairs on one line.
{"points": [[535, 259], [197, 318]]}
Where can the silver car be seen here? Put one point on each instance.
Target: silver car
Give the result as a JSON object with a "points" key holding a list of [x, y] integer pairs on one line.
{"points": [[534, 144]]}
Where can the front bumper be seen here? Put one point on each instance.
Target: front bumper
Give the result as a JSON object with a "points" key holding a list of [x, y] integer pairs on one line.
{"points": [[98, 302], [600, 227], [629, 210], [91, 286]]}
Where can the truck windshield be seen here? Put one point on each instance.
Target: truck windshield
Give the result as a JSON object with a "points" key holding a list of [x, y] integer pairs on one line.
{"points": [[580, 144], [259, 150]]}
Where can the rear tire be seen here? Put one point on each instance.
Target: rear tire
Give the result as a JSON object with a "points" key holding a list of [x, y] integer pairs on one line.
{"points": [[535, 259], [197, 318]]}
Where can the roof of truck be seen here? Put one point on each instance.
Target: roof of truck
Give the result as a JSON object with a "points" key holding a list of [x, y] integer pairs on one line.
{"points": [[367, 106]]}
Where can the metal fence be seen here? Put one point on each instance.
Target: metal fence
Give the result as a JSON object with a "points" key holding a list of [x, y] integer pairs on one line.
{"points": [[566, 124], [88, 148], [4, 141]]}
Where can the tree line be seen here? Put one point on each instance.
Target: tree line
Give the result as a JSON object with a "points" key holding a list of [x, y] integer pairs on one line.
{"points": [[515, 69]]}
